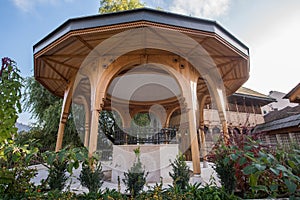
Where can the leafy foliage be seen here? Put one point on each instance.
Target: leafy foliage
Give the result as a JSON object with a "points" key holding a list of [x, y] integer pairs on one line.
{"points": [[259, 171], [10, 95], [91, 175], [108, 6], [58, 163], [14, 174], [224, 166], [180, 173], [46, 109], [135, 178]]}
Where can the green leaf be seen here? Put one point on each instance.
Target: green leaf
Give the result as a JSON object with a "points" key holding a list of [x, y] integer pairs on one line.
{"points": [[242, 161], [290, 185], [253, 179], [234, 157], [250, 169], [260, 167], [247, 148], [291, 164], [76, 164], [273, 187], [226, 161], [79, 156], [281, 168], [260, 188], [50, 158], [70, 167], [275, 171]]}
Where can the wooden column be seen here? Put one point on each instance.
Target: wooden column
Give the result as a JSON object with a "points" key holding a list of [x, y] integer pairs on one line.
{"points": [[94, 131], [192, 104], [194, 142], [217, 93], [64, 115], [87, 126], [188, 83], [202, 100]]}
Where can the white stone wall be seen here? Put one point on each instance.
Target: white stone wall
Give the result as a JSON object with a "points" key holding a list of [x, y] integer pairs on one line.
{"points": [[155, 158]]}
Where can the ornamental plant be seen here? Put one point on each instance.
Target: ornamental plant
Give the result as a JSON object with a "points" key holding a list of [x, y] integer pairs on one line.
{"points": [[257, 171], [10, 95], [135, 178], [91, 175], [15, 175], [58, 163], [180, 172]]}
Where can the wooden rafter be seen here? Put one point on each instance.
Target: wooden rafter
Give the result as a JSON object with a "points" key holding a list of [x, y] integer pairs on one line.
{"points": [[52, 79], [84, 42], [55, 70], [61, 63], [66, 56], [235, 79]]}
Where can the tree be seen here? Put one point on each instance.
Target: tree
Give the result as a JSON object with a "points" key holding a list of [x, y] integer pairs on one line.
{"points": [[46, 109], [108, 6], [10, 95]]}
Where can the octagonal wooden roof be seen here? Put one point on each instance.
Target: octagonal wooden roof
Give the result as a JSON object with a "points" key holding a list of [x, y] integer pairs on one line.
{"points": [[59, 55]]}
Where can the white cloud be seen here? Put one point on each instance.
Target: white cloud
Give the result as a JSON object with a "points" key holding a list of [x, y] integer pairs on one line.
{"points": [[201, 8], [29, 5]]}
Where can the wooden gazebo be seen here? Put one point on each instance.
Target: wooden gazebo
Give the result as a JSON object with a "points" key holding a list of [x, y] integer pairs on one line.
{"points": [[141, 60]]}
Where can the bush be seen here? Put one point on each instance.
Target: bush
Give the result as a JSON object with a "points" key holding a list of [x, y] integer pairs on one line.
{"points": [[58, 163], [135, 178], [15, 175], [91, 177], [180, 175], [259, 172], [224, 166]]}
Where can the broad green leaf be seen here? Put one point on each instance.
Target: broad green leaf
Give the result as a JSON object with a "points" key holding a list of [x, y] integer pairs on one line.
{"points": [[260, 167], [234, 157], [76, 164], [50, 158], [273, 187], [275, 171], [253, 179], [250, 169], [281, 168], [70, 167], [260, 187], [226, 160], [242, 161], [290, 185]]}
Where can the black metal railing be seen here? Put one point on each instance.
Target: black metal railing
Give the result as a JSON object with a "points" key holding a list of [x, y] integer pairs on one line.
{"points": [[146, 136]]}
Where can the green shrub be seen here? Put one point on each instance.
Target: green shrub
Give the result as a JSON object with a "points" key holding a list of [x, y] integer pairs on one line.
{"points": [[57, 175], [135, 178], [180, 172], [91, 177], [15, 175], [224, 167], [259, 171], [58, 163]]}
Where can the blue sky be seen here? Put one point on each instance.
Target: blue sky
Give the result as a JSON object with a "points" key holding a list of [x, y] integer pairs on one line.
{"points": [[270, 28]]}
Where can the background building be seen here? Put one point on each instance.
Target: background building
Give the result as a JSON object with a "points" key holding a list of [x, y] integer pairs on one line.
{"points": [[283, 126]]}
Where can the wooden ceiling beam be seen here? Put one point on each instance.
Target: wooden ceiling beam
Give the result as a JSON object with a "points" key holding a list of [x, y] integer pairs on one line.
{"points": [[66, 56], [61, 63], [55, 70], [84, 42], [52, 79], [235, 79]]}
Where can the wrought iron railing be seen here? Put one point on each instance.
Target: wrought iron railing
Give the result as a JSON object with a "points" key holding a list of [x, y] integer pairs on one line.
{"points": [[149, 136]]}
